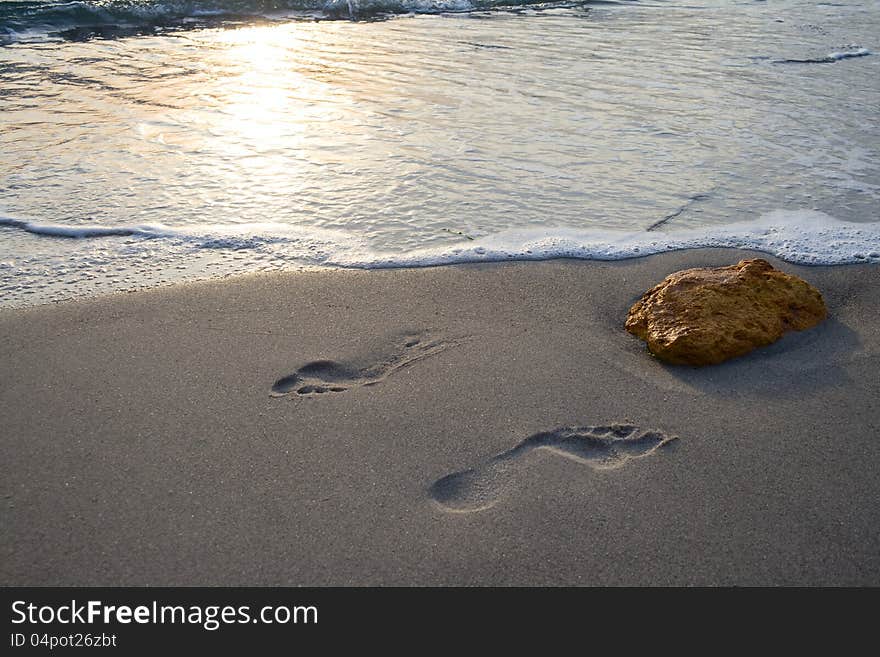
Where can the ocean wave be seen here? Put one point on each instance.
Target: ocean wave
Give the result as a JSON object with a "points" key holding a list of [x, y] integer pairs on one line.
{"points": [[831, 57], [800, 237], [247, 236], [83, 19]]}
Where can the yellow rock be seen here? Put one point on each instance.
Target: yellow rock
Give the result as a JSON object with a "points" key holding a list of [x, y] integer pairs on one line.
{"points": [[706, 316]]}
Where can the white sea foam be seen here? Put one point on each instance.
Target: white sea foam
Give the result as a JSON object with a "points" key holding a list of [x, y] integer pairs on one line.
{"points": [[80, 231], [860, 52], [77, 261], [802, 237], [831, 57], [214, 236]]}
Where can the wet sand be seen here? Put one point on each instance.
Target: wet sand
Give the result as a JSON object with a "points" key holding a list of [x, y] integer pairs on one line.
{"points": [[464, 425]]}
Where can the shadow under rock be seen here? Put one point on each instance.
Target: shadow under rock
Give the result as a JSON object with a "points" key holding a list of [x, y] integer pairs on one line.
{"points": [[793, 366]]}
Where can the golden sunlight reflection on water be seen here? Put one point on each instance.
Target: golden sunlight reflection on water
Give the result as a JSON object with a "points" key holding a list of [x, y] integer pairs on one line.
{"points": [[255, 99], [261, 114]]}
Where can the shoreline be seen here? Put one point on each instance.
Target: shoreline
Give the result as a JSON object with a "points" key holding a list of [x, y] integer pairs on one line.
{"points": [[143, 444], [798, 237]]}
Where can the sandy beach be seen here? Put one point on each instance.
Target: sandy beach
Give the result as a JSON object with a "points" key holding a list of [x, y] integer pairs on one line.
{"points": [[378, 428]]}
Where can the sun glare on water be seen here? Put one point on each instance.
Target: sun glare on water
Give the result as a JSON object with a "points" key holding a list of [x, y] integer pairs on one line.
{"points": [[266, 101], [264, 104]]}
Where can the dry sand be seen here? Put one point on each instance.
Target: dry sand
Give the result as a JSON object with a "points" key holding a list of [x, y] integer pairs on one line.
{"points": [[142, 444]]}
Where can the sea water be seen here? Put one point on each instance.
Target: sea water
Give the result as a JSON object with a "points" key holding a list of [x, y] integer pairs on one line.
{"points": [[146, 141]]}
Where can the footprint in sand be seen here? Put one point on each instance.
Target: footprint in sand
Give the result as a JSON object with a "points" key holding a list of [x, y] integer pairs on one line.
{"points": [[322, 376], [601, 448]]}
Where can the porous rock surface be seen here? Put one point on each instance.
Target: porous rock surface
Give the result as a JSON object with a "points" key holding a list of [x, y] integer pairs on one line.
{"points": [[707, 316]]}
